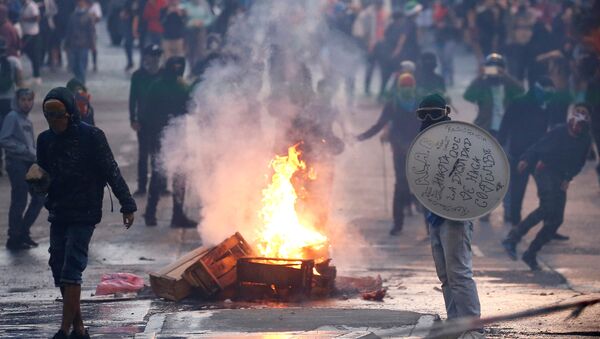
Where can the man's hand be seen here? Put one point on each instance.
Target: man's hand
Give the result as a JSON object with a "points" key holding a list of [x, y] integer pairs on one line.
{"points": [[564, 185], [135, 126], [522, 166], [128, 219]]}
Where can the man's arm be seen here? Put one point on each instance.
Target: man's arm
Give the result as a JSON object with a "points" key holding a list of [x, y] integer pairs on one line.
{"points": [[384, 118], [109, 168], [472, 93], [580, 162]]}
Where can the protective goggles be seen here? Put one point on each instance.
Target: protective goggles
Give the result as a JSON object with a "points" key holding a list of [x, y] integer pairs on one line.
{"points": [[431, 113]]}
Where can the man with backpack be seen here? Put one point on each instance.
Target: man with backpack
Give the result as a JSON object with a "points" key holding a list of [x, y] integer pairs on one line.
{"points": [[10, 79]]}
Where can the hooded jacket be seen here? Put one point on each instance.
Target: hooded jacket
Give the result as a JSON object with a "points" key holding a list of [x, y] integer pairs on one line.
{"points": [[80, 163], [167, 98]]}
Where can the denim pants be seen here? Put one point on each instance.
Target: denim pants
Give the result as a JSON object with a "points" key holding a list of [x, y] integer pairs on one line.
{"points": [[451, 248], [78, 61], [551, 211], [69, 244], [21, 216]]}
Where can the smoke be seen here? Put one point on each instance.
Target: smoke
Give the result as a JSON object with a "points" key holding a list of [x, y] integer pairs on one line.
{"points": [[247, 104]]}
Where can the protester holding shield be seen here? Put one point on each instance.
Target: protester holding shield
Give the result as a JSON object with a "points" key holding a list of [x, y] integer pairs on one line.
{"points": [[450, 239]]}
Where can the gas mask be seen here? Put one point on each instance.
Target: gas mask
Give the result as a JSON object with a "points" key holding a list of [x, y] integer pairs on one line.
{"points": [[578, 120]]}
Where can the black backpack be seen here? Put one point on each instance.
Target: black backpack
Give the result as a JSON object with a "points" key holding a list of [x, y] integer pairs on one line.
{"points": [[6, 75]]}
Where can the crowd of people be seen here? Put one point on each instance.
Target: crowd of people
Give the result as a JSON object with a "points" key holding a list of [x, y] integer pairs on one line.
{"points": [[537, 91]]}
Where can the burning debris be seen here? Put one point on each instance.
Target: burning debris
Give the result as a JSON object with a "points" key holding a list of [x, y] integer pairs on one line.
{"points": [[293, 256]]}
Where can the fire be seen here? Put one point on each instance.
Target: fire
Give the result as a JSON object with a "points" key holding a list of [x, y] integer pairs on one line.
{"points": [[284, 234]]}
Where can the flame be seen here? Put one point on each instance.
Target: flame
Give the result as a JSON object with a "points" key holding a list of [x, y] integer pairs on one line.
{"points": [[283, 233]]}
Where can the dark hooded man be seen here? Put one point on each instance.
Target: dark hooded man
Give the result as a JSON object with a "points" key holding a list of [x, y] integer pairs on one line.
{"points": [[167, 99], [78, 162], [403, 128], [554, 161], [141, 80]]}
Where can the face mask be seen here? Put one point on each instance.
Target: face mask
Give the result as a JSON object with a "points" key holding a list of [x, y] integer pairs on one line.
{"points": [[579, 121]]}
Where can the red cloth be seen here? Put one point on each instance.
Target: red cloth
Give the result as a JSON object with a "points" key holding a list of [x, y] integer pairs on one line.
{"points": [[152, 15], [10, 35]]}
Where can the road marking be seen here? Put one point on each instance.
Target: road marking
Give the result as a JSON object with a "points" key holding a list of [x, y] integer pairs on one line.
{"points": [[476, 251], [423, 326]]}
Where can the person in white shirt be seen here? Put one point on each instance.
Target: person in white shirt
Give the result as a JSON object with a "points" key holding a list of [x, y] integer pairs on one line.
{"points": [[31, 42], [96, 13]]}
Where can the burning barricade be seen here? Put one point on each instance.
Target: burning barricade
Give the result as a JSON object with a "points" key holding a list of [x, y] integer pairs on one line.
{"points": [[289, 259]]}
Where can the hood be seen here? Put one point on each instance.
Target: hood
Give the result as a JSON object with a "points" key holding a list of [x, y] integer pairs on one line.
{"points": [[65, 96]]}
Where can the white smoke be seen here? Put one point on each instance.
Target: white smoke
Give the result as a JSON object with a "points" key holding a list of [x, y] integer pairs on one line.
{"points": [[239, 116]]}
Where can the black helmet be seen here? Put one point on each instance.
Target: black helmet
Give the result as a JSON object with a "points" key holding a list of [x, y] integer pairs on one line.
{"points": [[495, 59], [152, 50]]}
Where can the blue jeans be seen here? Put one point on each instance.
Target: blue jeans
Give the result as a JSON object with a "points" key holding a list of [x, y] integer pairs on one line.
{"points": [[451, 248], [78, 61], [68, 250], [21, 216]]}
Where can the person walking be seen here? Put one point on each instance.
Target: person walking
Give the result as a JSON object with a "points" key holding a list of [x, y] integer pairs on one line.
{"points": [[403, 128], [141, 80], [492, 91], [32, 43], [10, 78], [167, 99], [554, 161], [450, 239], [16, 137], [173, 19], [83, 101], [77, 159], [80, 39], [9, 33], [525, 122]]}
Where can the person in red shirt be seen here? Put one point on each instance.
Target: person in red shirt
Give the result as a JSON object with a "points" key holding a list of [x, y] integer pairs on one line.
{"points": [[152, 17], [9, 34]]}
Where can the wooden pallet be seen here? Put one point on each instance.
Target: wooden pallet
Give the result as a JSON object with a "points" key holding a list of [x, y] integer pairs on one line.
{"points": [[215, 270], [168, 282]]}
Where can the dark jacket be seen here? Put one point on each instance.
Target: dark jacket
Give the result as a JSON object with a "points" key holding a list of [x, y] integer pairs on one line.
{"points": [[524, 123], [167, 99], [404, 126], [138, 93], [80, 163], [479, 92], [561, 153]]}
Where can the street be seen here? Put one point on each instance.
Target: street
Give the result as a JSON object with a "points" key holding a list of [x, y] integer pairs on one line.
{"points": [[571, 270]]}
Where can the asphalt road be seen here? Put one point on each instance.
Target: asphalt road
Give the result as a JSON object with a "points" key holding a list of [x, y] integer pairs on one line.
{"points": [[362, 247]]}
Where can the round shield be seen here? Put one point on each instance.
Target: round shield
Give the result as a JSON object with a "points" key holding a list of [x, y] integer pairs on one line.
{"points": [[457, 170]]}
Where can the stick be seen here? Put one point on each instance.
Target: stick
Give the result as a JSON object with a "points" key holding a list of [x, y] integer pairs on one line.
{"points": [[465, 324], [385, 183]]}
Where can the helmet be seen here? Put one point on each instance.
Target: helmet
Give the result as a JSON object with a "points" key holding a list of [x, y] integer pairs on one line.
{"points": [[495, 59]]}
